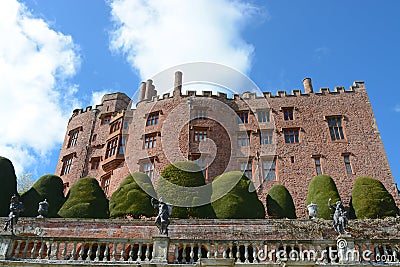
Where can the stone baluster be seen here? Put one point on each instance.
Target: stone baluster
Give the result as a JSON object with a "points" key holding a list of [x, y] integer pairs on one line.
{"points": [[238, 252], [64, 251], [130, 255], [199, 251], [17, 249], [55, 255], [48, 252], [254, 246], [81, 251], [122, 254], [191, 254], [73, 252], [147, 252], [216, 250], [41, 250], [377, 253], [90, 251], [98, 251], [139, 259], [224, 253], [106, 252], [208, 251], [184, 253], [230, 251], [395, 254], [246, 252], [33, 251], [176, 254], [114, 253], [385, 251], [25, 249]]}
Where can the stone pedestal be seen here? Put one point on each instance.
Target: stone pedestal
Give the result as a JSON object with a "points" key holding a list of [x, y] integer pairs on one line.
{"points": [[346, 249], [217, 262], [160, 249]]}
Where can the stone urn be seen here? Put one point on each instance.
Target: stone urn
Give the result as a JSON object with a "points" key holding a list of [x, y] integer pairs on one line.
{"points": [[43, 209], [312, 211]]}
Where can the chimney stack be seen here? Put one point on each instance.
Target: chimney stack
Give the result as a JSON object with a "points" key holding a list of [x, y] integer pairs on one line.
{"points": [[178, 84], [307, 85], [150, 91], [142, 91]]}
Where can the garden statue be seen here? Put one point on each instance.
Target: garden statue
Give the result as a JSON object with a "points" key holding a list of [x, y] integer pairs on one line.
{"points": [[43, 209], [16, 207], [339, 217], [312, 211], [162, 219]]}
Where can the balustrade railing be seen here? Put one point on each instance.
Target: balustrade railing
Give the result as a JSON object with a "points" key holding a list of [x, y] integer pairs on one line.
{"points": [[191, 251]]}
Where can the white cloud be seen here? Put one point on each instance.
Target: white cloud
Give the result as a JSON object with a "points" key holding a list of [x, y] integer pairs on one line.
{"points": [[35, 97], [97, 96], [155, 35]]}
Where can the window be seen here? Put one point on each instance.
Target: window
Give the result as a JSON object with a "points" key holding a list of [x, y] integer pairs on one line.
{"points": [[115, 126], [335, 127], [243, 117], [126, 125], [347, 163], [67, 164], [95, 163], [111, 147], [105, 183], [269, 169], [245, 168], [200, 114], [73, 137], [202, 164], [65, 186], [243, 139], [291, 135], [287, 114], [106, 119], [150, 140], [318, 168], [148, 168], [152, 119], [266, 138], [200, 135], [263, 116], [121, 149]]}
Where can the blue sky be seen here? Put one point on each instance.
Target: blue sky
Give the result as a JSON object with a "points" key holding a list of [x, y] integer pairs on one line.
{"points": [[70, 52]]}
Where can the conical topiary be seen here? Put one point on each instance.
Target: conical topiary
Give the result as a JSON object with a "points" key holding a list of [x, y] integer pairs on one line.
{"points": [[238, 202], [321, 188], [8, 188], [280, 203], [189, 177], [85, 199], [370, 199], [131, 199], [48, 187]]}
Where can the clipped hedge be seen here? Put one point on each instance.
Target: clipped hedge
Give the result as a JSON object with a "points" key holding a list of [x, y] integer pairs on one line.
{"points": [[8, 182], [321, 188], [280, 203], [239, 202], [48, 187], [186, 174], [131, 199], [85, 199], [370, 199]]}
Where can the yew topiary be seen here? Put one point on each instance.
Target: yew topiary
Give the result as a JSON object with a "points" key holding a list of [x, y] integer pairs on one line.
{"points": [[321, 188], [48, 187], [240, 202], [85, 199], [280, 203], [8, 188], [370, 199], [185, 174], [131, 199]]}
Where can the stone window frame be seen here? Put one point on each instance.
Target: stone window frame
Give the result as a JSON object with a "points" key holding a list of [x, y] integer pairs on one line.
{"points": [[288, 113], [246, 166], [67, 163], [106, 119], [153, 118], [95, 163], [289, 132], [272, 168], [115, 125], [263, 115], [200, 134], [144, 165], [317, 158], [201, 160], [243, 116], [240, 136], [270, 137], [349, 168], [73, 136], [337, 132], [105, 181], [200, 113], [150, 140], [112, 147]]}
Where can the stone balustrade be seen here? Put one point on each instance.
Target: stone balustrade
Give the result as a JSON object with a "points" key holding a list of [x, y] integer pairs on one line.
{"points": [[165, 251]]}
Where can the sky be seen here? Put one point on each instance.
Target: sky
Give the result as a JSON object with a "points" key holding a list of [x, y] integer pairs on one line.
{"points": [[58, 55]]}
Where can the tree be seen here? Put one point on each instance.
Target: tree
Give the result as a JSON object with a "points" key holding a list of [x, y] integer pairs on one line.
{"points": [[131, 199], [321, 188], [185, 174], [48, 187], [8, 188], [24, 182], [280, 203], [370, 199], [85, 199], [239, 202]]}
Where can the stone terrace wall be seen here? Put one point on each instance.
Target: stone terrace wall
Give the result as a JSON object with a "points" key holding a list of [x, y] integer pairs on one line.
{"points": [[210, 229]]}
